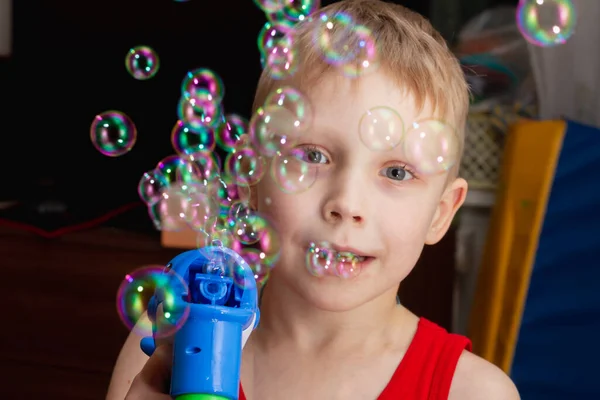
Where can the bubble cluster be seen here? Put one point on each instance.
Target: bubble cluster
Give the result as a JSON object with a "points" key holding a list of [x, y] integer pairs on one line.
{"points": [[323, 260], [113, 133], [142, 62], [546, 23]]}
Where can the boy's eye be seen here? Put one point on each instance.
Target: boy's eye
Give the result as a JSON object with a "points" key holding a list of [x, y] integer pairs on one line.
{"points": [[398, 173], [312, 156]]}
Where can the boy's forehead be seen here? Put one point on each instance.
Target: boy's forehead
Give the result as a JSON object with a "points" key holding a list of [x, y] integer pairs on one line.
{"points": [[339, 102]]}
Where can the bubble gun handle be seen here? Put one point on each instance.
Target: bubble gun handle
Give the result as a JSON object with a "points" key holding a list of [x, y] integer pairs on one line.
{"points": [[219, 308]]}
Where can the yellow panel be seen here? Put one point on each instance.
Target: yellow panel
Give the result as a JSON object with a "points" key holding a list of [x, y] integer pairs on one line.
{"points": [[530, 157]]}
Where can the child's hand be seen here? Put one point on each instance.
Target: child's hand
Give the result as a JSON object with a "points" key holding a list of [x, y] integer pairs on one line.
{"points": [[153, 381]]}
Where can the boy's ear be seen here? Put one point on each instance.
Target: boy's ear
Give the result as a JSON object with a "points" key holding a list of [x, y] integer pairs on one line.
{"points": [[451, 200]]}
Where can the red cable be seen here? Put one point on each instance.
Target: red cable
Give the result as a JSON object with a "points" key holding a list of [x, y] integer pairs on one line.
{"points": [[73, 228]]}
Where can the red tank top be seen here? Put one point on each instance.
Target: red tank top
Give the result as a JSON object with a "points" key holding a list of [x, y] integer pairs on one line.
{"points": [[427, 368]]}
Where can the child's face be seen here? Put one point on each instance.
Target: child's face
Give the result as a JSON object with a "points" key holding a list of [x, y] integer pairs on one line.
{"points": [[361, 199]]}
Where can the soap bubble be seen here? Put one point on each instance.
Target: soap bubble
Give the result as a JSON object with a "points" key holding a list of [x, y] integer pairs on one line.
{"points": [[151, 186], [292, 173], [187, 140], [381, 129], [230, 131], [431, 146], [293, 100], [546, 23], [320, 259], [113, 133], [201, 84], [245, 166], [135, 292], [142, 62], [274, 129]]}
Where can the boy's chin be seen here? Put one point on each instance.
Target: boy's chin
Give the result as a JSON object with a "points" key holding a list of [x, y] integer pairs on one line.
{"points": [[337, 296]]}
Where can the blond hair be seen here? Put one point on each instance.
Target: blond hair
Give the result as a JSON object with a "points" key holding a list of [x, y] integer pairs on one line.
{"points": [[409, 50]]}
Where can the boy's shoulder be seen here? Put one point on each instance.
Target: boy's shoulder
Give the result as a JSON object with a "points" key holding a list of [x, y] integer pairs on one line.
{"points": [[478, 379]]}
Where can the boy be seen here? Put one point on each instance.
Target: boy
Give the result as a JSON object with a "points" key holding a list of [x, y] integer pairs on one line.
{"points": [[331, 338]]}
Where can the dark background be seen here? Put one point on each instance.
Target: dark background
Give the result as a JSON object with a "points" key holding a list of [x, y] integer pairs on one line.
{"points": [[68, 65]]}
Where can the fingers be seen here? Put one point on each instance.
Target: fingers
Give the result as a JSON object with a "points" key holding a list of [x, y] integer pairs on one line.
{"points": [[153, 382]]}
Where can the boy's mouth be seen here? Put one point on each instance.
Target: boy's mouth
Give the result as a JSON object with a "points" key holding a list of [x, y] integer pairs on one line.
{"points": [[349, 257]]}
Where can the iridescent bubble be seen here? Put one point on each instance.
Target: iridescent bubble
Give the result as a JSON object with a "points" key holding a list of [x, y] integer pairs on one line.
{"points": [[187, 140], [293, 100], [260, 270], [280, 59], [365, 57], [245, 165], [336, 38], [291, 172], [298, 10], [142, 62], [203, 84], [171, 209], [381, 128], [274, 129], [200, 207], [135, 292], [198, 113], [279, 18], [207, 165], [268, 246], [151, 186], [270, 34], [346, 267], [230, 131], [269, 6], [225, 191], [248, 229], [113, 133], [238, 210], [431, 146], [177, 169], [546, 23], [320, 259]]}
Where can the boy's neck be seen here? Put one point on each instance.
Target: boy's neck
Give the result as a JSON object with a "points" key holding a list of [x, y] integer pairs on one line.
{"points": [[289, 319]]}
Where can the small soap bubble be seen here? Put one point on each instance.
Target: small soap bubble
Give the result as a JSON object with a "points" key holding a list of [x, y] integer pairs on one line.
{"points": [[546, 23], [336, 38], [199, 112], [268, 245], [245, 165], [280, 59], [260, 270], [293, 100], [135, 292], [113, 133], [292, 173], [431, 146], [365, 56], [206, 165], [248, 229], [230, 131], [225, 191], [346, 267], [381, 129], [178, 169], [298, 10], [271, 34], [187, 140], [203, 84], [151, 186], [320, 259], [274, 129], [172, 208], [142, 62], [269, 6]]}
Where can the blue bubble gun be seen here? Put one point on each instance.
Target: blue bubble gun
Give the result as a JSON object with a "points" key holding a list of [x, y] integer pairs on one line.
{"points": [[218, 300]]}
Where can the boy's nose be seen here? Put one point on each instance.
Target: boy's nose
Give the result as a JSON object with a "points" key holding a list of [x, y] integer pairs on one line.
{"points": [[339, 210]]}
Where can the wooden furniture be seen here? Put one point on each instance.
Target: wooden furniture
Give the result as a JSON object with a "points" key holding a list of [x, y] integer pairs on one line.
{"points": [[60, 331]]}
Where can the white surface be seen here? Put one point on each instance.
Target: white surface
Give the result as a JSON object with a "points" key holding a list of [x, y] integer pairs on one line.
{"points": [[5, 28], [568, 76]]}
